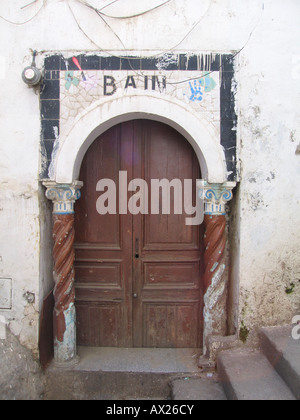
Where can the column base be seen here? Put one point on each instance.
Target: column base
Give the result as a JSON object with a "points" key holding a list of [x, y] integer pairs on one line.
{"points": [[66, 365]]}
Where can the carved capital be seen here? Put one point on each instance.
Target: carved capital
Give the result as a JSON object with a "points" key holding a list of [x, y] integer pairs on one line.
{"points": [[63, 196], [215, 197]]}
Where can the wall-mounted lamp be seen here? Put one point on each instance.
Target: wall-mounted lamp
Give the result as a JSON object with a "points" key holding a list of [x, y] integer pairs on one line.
{"points": [[31, 75]]}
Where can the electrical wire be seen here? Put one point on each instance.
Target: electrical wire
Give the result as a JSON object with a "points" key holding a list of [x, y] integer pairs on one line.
{"points": [[127, 57], [194, 27], [29, 4], [232, 57], [26, 21], [109, 4], [97, 45], [107, 24], [99, 11], [94, 43], [80, 28], [120, 40], [170, 50], [102, 15]]}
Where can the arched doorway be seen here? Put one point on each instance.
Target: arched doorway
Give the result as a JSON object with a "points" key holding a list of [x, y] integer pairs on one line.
{"points": [[64, 185], [138, 276]]}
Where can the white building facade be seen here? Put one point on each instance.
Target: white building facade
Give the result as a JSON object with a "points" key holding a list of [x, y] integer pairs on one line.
{"points": [[223, 74]]}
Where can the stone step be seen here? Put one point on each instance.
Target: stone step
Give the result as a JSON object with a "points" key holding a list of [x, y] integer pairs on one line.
{"points": [[283, 352], [105, 386], [121, 374], [197, 389], [248, 375]]}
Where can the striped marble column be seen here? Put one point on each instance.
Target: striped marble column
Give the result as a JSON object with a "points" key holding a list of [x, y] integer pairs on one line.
{"points": [[64, 317], [215, 197]]}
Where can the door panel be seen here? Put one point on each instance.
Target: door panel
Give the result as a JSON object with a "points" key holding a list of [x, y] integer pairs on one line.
{"points": [[167, 156], [168, 271], [103, 248], [99, 324], [138, 278], [170, 325]]}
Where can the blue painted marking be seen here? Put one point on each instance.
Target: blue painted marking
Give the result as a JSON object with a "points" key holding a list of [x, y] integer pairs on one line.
{"points": [[196, 91]]}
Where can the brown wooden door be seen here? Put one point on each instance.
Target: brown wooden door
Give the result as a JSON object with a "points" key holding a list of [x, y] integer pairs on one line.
{"points": [[138, 277]]}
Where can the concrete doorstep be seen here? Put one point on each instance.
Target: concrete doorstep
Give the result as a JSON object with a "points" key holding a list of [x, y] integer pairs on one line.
{"points": [[122, 374]]}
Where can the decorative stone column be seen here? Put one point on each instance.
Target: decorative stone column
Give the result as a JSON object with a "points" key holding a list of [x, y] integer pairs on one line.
{"points": [[215, 278], [64, 318]]}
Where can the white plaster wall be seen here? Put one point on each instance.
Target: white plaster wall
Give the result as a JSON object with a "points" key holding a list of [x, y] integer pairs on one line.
{"points": [[268, 98], [268, 76]]}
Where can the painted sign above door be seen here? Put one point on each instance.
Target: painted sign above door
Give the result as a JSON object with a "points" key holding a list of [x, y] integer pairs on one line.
{"points": [[198, 90], [203, 83]]}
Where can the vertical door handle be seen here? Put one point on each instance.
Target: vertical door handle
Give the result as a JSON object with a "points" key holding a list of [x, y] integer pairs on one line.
{"points": [[137, 248]]}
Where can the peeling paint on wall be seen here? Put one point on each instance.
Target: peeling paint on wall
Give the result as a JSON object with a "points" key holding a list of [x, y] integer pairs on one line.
{"points": [[5, 293]]}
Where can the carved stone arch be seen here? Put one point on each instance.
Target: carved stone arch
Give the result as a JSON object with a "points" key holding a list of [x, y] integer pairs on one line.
{"points": [[102, 115]]}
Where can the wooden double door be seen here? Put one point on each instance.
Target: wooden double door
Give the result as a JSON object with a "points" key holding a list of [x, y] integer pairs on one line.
{"points": [[138, 277]]}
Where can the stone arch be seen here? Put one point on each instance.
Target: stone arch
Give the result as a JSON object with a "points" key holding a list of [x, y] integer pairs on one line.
{"points": [[102, 115]]}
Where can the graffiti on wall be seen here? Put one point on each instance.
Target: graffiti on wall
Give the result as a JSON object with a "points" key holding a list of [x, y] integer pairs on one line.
{"points": [[200, 86]]}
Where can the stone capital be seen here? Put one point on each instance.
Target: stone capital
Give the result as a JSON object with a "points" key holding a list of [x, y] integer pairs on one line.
{"points": [[63, 196], [215, 196]]}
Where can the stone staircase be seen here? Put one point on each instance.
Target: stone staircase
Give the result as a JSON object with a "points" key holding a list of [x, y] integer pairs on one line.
{"points": [[272, 373]]}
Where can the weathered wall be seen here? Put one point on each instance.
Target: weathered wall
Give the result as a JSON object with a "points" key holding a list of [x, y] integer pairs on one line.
{"points": [[265, 263], [21, 377], [268, 79]]}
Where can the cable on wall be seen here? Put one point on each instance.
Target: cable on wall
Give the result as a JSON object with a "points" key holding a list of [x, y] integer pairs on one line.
{"points": [[233, 56], [94, 43], [109, 4], [170, 50], [102, 15], [29, 4], [26, 21], [99, 11]]}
